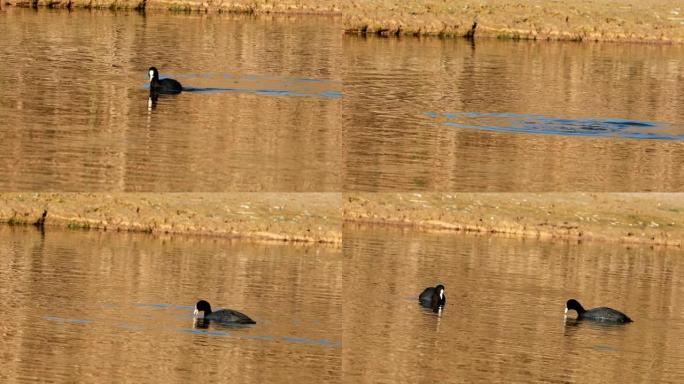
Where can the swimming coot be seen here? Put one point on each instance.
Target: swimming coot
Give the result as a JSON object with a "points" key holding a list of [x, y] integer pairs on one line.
{"points": [[433, 297], [163, 85], [203, 312], [597, 314]]}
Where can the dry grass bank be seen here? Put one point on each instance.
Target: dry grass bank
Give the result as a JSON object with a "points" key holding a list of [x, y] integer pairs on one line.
{"points": [[644, 218], [659, 21], [294, 217], [234, 6], [638, 218], [578, 20]]}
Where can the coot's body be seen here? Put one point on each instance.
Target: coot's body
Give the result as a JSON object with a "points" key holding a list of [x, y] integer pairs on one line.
{"points": [[163, 85], [226, 316], [433, 297], [604, 314]]}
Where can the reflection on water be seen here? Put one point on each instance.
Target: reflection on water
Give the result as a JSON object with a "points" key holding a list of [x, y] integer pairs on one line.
{"points": [[78, 305], [262, 85], [504, 316], [75, 114], [512, 122], [390, 142]]}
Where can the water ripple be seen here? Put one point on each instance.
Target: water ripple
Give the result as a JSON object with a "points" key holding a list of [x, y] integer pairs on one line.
{"points": [[65, 320], [545, 125]]}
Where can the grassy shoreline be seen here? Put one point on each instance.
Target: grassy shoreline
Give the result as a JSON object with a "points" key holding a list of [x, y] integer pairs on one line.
{"points": [[309, 7], [290, 217], [653, 21], [650, 21], [629, 218]]}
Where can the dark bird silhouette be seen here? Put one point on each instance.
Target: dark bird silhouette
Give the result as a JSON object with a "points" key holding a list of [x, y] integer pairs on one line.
{"points": [[163, 85], [226, 316], [596, 314], [433, 297]]}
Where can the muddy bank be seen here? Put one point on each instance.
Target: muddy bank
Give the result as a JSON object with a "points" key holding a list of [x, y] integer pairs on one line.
{"points": [[577, 20], [295, 217], [644, 218], [326, 7], [659, 21]]}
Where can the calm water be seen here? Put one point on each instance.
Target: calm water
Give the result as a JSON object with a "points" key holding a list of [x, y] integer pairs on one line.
{"points": [[445, 115], [503, 321], [289, 104], [83, 306], [263, 113]]}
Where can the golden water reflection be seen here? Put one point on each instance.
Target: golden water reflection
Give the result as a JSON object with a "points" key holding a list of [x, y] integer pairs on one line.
{"points": [[74, 111], [504, 317], [78, 306], [391, 144]]}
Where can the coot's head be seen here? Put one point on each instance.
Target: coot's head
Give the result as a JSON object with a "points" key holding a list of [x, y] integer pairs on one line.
{"points": [[439, 289], [574, 305], [202, 309], [153, 73]]}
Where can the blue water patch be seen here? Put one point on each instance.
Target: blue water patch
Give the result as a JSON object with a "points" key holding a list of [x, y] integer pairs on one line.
{"points": [[291, 86], [329, 343], [264, 92], [259, 337], [604, 348], [545, 125], [204, 332], [298, 340], [331, 94], [65, 320]]}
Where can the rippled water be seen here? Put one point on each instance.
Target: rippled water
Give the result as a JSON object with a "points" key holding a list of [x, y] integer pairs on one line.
{"points": [[262, 112], [504, 316], [448, 115], [269, 98], [544, 125], [78, 306]]}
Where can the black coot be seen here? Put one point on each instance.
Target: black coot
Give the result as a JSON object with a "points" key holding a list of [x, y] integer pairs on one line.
{"points": [[163, 85], [596, 314], [228, 316], [433, 297]]}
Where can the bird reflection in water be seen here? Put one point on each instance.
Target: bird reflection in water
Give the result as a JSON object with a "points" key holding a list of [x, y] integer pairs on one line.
{"points": [[200, 323], [152, 100]]}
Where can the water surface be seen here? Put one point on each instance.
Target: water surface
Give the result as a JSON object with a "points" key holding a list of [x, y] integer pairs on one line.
{"points": [[503, 320], [545, 125], [263, 112], [84, 305], [448, 115]]}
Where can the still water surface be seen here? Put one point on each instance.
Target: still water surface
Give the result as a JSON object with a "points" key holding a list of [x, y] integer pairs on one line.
{"points": [[262, 114], [90, 306], [448, 115], [504, 321]]}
